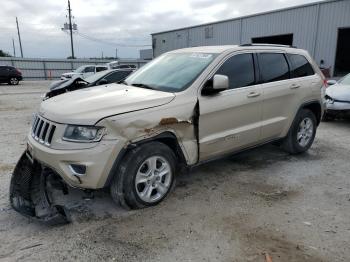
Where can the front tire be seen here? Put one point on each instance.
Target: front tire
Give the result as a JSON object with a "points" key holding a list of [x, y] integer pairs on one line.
{"points": [[145, 176], [302, 133]]}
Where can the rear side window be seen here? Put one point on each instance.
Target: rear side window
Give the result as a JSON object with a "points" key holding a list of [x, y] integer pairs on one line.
{"points": [[239, 69], [273, 67], [100, 68], [89, 69], [300, 66]]}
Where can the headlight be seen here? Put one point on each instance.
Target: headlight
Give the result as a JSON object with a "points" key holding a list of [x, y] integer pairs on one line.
{"points": [[83, 133], [329, 99]]}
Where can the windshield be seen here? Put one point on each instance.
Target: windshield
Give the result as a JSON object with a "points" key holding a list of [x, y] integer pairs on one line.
{"points": [[97, 76], [345, 80], [80, 69], [171, 72]]}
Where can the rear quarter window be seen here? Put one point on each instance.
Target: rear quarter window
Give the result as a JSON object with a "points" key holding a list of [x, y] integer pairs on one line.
{"points": [[273, 67], [300, 66]]}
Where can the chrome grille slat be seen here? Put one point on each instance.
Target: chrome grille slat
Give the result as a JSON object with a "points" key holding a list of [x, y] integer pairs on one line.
{"points": [[35, 123], [38, 130], [43, 130], [36, 127], [46, 139]]}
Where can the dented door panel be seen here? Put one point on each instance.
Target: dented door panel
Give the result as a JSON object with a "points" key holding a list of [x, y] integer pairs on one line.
{"points": [[229, 121]]}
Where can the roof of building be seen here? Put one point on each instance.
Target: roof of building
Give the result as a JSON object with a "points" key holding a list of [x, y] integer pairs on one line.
{"points": [[252, 15]]}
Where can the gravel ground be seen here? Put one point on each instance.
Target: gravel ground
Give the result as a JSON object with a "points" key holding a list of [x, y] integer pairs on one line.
{"points": [[295, 208]]}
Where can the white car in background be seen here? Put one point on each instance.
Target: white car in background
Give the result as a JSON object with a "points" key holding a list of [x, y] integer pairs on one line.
{"points": [[84, 71], [338, 98], [117, 65]]}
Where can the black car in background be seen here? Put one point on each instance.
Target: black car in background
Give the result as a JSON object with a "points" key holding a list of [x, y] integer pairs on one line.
{"points": [[75, 83], [10, 75]]}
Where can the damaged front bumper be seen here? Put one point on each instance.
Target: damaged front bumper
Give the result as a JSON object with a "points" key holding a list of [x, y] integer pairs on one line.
{"points": [[29, 192]]}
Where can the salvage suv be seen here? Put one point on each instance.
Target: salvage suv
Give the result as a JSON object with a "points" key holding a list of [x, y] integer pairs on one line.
{"points": [[184, 108]]}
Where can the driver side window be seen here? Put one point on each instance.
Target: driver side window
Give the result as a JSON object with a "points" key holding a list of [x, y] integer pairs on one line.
{"points": [[239, 69]]}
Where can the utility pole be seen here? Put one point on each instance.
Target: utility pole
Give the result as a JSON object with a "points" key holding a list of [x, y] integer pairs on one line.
{"points": [[71, 28], [116, 53], [14, 49], [19, 38]]}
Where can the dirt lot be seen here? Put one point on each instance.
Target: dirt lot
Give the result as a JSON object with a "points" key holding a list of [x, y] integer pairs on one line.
{"points": [[295, 208]]}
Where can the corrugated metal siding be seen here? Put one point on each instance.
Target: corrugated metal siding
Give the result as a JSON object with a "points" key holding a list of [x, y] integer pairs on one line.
{"points": [[314, 28], [333, 15], [226, 33], [300, 22]]}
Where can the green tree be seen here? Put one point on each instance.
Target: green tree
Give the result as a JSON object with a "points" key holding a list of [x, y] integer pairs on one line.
{"points": [[4, 54]]}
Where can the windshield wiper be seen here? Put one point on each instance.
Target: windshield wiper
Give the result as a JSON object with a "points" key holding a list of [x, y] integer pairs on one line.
{"points": [[143, 86]]}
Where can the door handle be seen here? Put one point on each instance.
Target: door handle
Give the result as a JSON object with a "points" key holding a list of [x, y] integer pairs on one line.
{"points": [[294, 86], [253, 94]]}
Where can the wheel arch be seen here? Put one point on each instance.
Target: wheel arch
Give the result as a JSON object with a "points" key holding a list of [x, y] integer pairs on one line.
{"points": [[315, 107], [167, 138]]}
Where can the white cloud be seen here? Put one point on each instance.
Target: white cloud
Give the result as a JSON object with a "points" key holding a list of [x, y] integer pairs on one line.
{"points": [[128, 22]]}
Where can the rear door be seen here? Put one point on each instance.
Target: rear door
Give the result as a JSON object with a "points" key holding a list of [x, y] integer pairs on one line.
{"points": [[230, 120], [303, 73], [280, 94]]}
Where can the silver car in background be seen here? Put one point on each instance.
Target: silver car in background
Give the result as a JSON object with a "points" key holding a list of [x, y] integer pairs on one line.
{"points": [[338, 98]]}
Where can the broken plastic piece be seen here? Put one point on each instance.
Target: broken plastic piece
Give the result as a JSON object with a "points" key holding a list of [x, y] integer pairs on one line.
{"points": [[29, 195]]}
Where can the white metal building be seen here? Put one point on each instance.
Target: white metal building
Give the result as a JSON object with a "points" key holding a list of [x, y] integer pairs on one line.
{"points": [[322, 28]]}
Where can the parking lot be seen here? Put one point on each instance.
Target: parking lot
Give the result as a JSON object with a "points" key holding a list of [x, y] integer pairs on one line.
{"points": [[295, 208]]}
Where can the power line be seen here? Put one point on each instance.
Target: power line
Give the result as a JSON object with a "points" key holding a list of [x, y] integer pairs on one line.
{"points": [[108, 42]]}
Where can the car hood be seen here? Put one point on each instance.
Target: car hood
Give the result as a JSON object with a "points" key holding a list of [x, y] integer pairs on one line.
{"points": [[339, 92], [65, 83], [71, 74], [58, 83], [87, 106]]}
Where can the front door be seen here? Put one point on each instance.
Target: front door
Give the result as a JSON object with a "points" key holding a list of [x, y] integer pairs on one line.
{"points": [[231, 119]]}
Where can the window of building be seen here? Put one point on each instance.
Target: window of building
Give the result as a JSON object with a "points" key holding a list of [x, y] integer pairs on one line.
{"points": [[300, 66], [273, 67], [240, 70]]}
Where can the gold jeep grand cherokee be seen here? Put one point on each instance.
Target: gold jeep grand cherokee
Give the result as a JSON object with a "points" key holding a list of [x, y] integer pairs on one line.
{"points": [[183, 108]]}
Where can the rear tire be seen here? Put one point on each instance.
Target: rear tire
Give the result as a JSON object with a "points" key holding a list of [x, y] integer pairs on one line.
{"points": [[302, 133], [13, 81], [145, 176]]}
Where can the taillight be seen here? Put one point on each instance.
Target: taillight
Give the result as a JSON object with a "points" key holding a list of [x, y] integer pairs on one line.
{"points": [[325, 83], [19, 72]]}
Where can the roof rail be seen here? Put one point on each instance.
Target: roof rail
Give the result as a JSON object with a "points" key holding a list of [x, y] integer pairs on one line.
{"points": [[277, 45]]}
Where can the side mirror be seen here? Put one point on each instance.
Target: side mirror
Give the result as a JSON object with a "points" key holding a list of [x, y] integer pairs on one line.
{"points": [[331, 82], [215, 85], [103, 81], [220, 83]]}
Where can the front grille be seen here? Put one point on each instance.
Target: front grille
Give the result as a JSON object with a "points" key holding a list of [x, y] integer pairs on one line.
{"points": [[43, 130]]}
